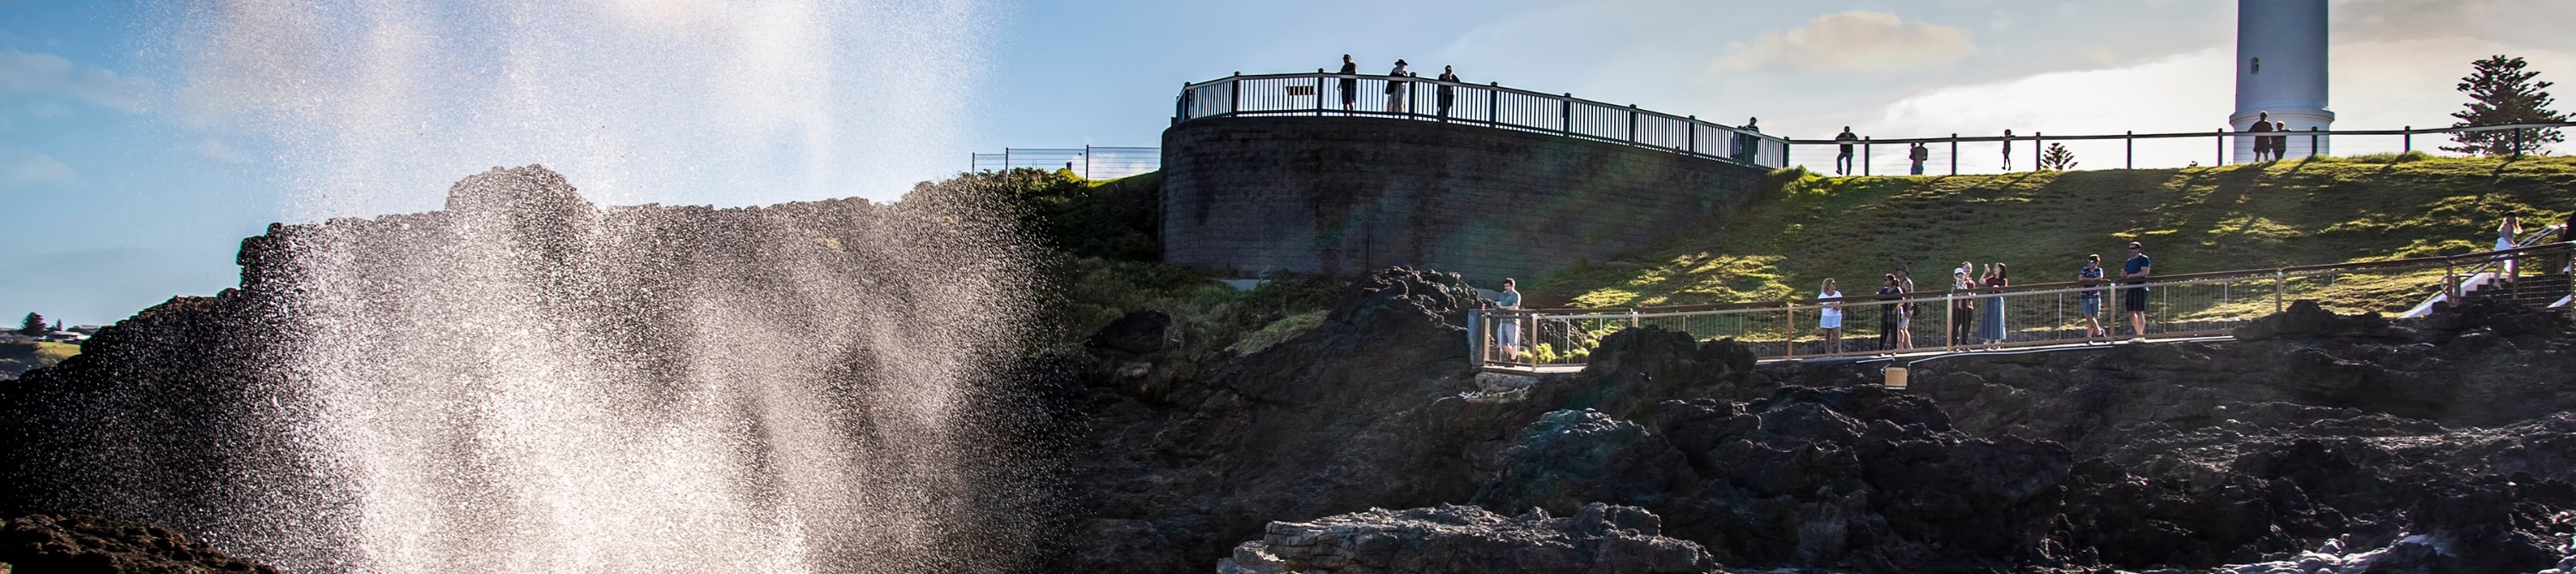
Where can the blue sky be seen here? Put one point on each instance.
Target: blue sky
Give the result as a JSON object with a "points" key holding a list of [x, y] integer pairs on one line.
{"points": [[140, 142]]}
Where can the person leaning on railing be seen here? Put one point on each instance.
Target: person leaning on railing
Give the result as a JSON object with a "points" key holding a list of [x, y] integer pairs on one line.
{"points": [[1448, 75], [1748, 145], [1395, 87], [1963, 309], [1507, 333], [2133, 299], [2090, 277]]}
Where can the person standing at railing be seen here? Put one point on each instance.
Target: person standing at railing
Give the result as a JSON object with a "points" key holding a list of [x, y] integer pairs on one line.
{"points": [[2134, 297], [1963, 305], [2280, 144], [1891, 316], [1507, 333], [2007, 150], [1990, 329], [1396, 87], [1350, 84], [1747, 144], [1448, 94], [1830, 318], [1843, 159], [1906, 311], [1918, 153], [2263, 145], [2090, 277]]}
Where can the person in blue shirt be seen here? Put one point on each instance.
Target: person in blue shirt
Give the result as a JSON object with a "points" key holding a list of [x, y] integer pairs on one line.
{"points": [[1508, 334], [2134, 299], [2089, 277]]}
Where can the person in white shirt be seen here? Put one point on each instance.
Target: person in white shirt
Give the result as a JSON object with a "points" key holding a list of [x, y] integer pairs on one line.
{"points": [[1395, 87], [1832, 321]]}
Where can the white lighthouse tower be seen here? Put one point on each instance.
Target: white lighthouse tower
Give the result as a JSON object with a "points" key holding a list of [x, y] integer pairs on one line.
{"points": [[2281, 69]]}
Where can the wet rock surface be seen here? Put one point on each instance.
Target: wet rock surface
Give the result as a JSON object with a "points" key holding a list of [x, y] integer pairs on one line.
{"points": [[1596, 538], [91, 545]]}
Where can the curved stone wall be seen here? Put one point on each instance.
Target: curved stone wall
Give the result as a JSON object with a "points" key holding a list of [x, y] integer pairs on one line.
{"points": [[1346, 195]]}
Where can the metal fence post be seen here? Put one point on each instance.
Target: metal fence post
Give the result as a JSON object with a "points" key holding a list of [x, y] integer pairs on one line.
{"points": [[1954, 154], [2222, 149], [2280, 289], [1864, 155], [2312, 141], [1632, 124], [2129, 150], [1789, 347], [1950, 321], [1086, 161], [1690, 135], [2409, 138], [2036, 151], [1493, 99]]}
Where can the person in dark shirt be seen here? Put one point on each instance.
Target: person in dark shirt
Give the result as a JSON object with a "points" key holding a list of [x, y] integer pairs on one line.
{"points": [[1891, 317], [1448, 94], [2090, 276], [2007, 150], [1843, 160], [1350, 85], [2134, 299], [1747, 144], [2262, 143], [1918, 154]]}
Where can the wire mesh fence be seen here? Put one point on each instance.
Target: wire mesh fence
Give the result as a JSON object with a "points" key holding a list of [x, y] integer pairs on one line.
{"points": [[1090, 162], [2173, 306]]}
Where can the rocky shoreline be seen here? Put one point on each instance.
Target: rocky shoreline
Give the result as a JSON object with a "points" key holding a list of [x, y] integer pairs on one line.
{"points": [[2437, 445]]}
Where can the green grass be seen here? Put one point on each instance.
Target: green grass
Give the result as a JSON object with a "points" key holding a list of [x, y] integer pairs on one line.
{"points": [[2043, 224], [52, 353]]}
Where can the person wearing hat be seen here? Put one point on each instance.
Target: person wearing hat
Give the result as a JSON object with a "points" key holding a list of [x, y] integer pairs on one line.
{"points": [[2134, 299], [1395, 87], [2090, 276]]}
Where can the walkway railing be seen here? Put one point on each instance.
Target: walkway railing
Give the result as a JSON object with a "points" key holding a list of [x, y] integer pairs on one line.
{"points": [[1984, 153], [1490, 105], [2174, 306], [1090, 162]]}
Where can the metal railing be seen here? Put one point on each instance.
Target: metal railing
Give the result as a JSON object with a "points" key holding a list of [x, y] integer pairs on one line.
{"points": [[1090, 162], [1957, 154], [1489, 105], [2172, 306]]}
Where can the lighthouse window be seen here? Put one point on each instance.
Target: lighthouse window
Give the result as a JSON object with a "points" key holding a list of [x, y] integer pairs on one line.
{"points": [[2258, 65]]}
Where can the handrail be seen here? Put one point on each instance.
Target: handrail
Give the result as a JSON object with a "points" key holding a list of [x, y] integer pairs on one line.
{"points": [[2177, 278], [2195, 304], [2055, 137], [1489, 104]]}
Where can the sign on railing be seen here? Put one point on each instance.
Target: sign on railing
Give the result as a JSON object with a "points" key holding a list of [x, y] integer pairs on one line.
{"points": [[1490, 105], [2167, 307]]}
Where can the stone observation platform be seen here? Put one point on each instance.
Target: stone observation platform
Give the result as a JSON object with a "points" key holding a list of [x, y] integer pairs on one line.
{"points": [[1274, 172]]}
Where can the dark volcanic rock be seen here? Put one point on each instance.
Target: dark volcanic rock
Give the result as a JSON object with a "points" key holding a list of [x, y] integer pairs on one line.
{"points": [[1598, 538], [86, 545]]}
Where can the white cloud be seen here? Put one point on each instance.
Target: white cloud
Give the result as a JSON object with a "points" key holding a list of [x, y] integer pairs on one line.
{"points": [[2187, 92], [42, 170], [1854, 41], [24, 74]]}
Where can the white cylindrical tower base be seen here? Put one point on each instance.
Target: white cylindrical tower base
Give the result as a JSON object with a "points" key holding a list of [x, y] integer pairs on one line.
{"points": [[2281, 68]]}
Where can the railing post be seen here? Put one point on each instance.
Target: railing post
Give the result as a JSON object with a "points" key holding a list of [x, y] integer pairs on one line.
{"points": [[1476, 337], [2517, 143], [1954, 154], [2312, 141], [2129, 150], [1950, 321], [1789, 348], [1006, 160], [2409, 138], [1493, 99], [1319, 91], [2222, 148], [1690, 135], [1234, 94], [1632, 124], [2036, 151], [1864, 156], [1086, 161]]}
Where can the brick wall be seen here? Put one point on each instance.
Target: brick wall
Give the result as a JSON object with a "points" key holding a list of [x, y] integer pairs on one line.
{"points": [[1346, 195]]}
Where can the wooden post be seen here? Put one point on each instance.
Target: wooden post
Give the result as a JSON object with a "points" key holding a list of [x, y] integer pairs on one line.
{"points": [[1864, 156], [1954, 154], [1789, 349], [2409, 138], [2129, 150]]}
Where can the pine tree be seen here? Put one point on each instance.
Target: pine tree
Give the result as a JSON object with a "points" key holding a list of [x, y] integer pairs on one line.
{"points": [[2057, 158], [33, 326], [2501, 93]]}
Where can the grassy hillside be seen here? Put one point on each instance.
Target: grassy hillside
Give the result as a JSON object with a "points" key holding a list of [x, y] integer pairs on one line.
{"points": [[19, 354], [2043, 224]]}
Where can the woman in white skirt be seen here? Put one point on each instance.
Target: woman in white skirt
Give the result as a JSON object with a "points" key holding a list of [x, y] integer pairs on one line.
{"points": [[1832, 320], [2505, 235]]}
